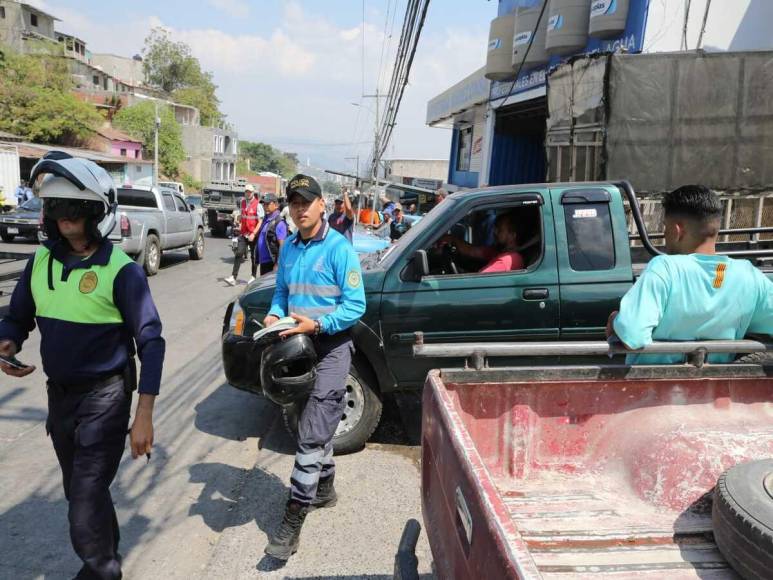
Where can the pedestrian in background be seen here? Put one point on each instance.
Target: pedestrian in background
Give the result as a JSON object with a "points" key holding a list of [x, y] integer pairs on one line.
{"points": [[21, 192], [250, 218], [342, 217], [272, 234], [319, 283], [94, 310]]}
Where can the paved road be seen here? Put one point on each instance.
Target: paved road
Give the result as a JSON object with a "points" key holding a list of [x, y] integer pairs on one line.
{"points": [[217, 481]]}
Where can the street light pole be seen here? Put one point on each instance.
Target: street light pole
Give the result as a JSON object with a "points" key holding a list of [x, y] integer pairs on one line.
{"points": [[356, 186], [156, 124]]}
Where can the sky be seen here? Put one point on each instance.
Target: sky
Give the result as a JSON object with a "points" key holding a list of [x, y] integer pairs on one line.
{"points": [[288, 71]]}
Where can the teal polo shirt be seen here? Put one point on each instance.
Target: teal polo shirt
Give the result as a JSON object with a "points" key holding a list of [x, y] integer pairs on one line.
{"points": [[694, 297]]}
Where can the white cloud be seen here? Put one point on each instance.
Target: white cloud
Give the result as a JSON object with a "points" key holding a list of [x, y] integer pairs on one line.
{"points": [[235, 8], [296, 81]]}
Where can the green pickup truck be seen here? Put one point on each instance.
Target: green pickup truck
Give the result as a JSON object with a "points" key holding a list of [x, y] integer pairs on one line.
{"points": [[578, 262]]}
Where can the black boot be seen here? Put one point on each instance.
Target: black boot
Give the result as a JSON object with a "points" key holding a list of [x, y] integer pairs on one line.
{"points": [[326, 494], [285, 542]]}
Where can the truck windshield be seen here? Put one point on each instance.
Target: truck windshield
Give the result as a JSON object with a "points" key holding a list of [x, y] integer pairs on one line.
{"points": [[136, 197], [414, 232]]}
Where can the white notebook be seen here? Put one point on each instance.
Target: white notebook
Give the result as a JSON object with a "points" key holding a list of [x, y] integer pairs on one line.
{"points": [[285, 323]]}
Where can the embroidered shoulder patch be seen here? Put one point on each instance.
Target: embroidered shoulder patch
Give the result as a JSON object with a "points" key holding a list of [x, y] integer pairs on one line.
{"points": [[353, 278]]}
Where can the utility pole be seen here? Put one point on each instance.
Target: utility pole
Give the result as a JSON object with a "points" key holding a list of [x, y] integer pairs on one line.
{"points": [[376, 137], [356, 186], [157, 125]]}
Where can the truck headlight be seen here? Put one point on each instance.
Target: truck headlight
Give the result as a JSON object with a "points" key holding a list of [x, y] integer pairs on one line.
{"points": [[236, 323]]}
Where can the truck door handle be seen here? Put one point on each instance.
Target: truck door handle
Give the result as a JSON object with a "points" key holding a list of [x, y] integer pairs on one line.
{"points": [[535, 293]]}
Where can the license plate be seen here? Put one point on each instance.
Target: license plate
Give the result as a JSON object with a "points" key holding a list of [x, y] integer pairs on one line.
{"points": [[13, 230]]}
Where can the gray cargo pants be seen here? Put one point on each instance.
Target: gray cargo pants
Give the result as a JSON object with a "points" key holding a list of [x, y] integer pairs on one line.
{"points": [[320, 418]]}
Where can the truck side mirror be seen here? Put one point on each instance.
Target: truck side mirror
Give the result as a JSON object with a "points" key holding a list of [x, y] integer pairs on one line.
{"points": [[193, 207], [420, 264]]}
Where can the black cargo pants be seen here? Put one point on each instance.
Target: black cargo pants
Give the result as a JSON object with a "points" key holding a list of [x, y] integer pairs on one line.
{"points": [[320, 417], [88, 431], [243, 245]]}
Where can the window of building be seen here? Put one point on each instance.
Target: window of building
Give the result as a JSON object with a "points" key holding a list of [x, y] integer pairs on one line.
{"points": [[136, 153], [104, 83], [464, 149], [123, 152], [34, 19], [2, 12], [588, 232], [95, 79]]}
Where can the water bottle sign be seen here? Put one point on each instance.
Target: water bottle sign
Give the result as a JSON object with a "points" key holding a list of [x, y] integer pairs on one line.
{"points": [[522, 38], [494, 44], [603, 7], [556, 22]]}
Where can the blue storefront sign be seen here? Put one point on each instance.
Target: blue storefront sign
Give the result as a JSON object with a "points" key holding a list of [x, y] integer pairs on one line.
{"points": [[631, 41]]}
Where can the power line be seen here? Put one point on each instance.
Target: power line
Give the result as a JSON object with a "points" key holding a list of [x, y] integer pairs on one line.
{"points": [[413, 22]]}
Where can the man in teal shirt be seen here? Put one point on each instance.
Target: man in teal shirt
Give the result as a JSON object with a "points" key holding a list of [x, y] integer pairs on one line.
{"points": [[692, 293]]}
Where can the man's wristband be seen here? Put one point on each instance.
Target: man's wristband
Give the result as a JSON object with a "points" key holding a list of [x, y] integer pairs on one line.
{"points": [[317, 328]]}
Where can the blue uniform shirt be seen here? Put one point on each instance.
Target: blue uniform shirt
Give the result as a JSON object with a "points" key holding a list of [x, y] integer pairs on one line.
{"points": [[320, 279], [694, 297]]}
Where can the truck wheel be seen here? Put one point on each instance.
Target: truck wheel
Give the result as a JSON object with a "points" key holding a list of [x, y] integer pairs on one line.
{"points": [[197, 251], [361, 414], [742, 516], [152, 255], [7, 238]]}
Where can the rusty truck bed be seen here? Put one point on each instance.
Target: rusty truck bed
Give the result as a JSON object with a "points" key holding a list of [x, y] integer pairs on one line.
{"points": [[584, 479]]}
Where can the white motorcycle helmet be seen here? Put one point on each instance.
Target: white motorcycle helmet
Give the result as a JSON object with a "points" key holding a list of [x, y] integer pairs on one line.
{"points": [[75, 179]]}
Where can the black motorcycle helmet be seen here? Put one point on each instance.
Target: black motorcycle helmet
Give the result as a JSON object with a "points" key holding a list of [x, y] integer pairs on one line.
{"points": [[288, 369]]}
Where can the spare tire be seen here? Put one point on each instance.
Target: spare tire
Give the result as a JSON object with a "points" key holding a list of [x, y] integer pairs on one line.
{"points": [[764, 358], [742, 517]]}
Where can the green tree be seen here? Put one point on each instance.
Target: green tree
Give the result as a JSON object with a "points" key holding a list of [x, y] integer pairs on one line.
{"points": [[138, 121], [264, 157], [329, 186], [172, 67], [36, 103]]}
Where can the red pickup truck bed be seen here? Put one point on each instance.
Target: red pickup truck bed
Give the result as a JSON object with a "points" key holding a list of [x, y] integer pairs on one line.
{"points": [[584, 479]]}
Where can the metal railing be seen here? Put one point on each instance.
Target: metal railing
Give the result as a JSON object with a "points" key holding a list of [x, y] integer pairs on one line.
{"points": [[478, 352]]}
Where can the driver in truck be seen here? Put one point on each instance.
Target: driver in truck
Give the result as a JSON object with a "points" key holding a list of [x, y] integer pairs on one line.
{"points": [[692, 293], [501, 257]]}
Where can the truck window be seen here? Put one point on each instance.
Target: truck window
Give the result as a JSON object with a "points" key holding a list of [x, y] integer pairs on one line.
{"points": [[180, 204], [136, 198], [589, 233], [168, 202], [473, 247]]}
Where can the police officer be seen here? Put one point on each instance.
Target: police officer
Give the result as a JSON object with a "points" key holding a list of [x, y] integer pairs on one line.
{"points": [[94, 310], [319, 284]]}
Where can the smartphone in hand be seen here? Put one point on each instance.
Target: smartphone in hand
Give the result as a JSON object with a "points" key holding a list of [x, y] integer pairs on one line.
{"points": [[13, 362]]}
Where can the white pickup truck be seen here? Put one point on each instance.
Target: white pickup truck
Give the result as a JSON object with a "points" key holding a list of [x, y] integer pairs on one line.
{"points": [[152, 220]]}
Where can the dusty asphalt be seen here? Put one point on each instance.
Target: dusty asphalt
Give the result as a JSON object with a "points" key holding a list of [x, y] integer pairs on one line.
{"points": [[217, 480]]}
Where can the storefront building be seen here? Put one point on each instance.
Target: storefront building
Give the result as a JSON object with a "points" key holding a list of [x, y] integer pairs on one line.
{"points": [[502, 127]]}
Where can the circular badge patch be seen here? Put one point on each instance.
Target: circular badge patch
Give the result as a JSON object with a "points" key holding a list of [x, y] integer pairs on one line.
{"points": [[353, 279], [88, 283]]}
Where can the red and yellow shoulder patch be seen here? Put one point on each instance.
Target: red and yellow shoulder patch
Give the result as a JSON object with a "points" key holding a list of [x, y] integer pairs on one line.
{"points": [[719, 275]]}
